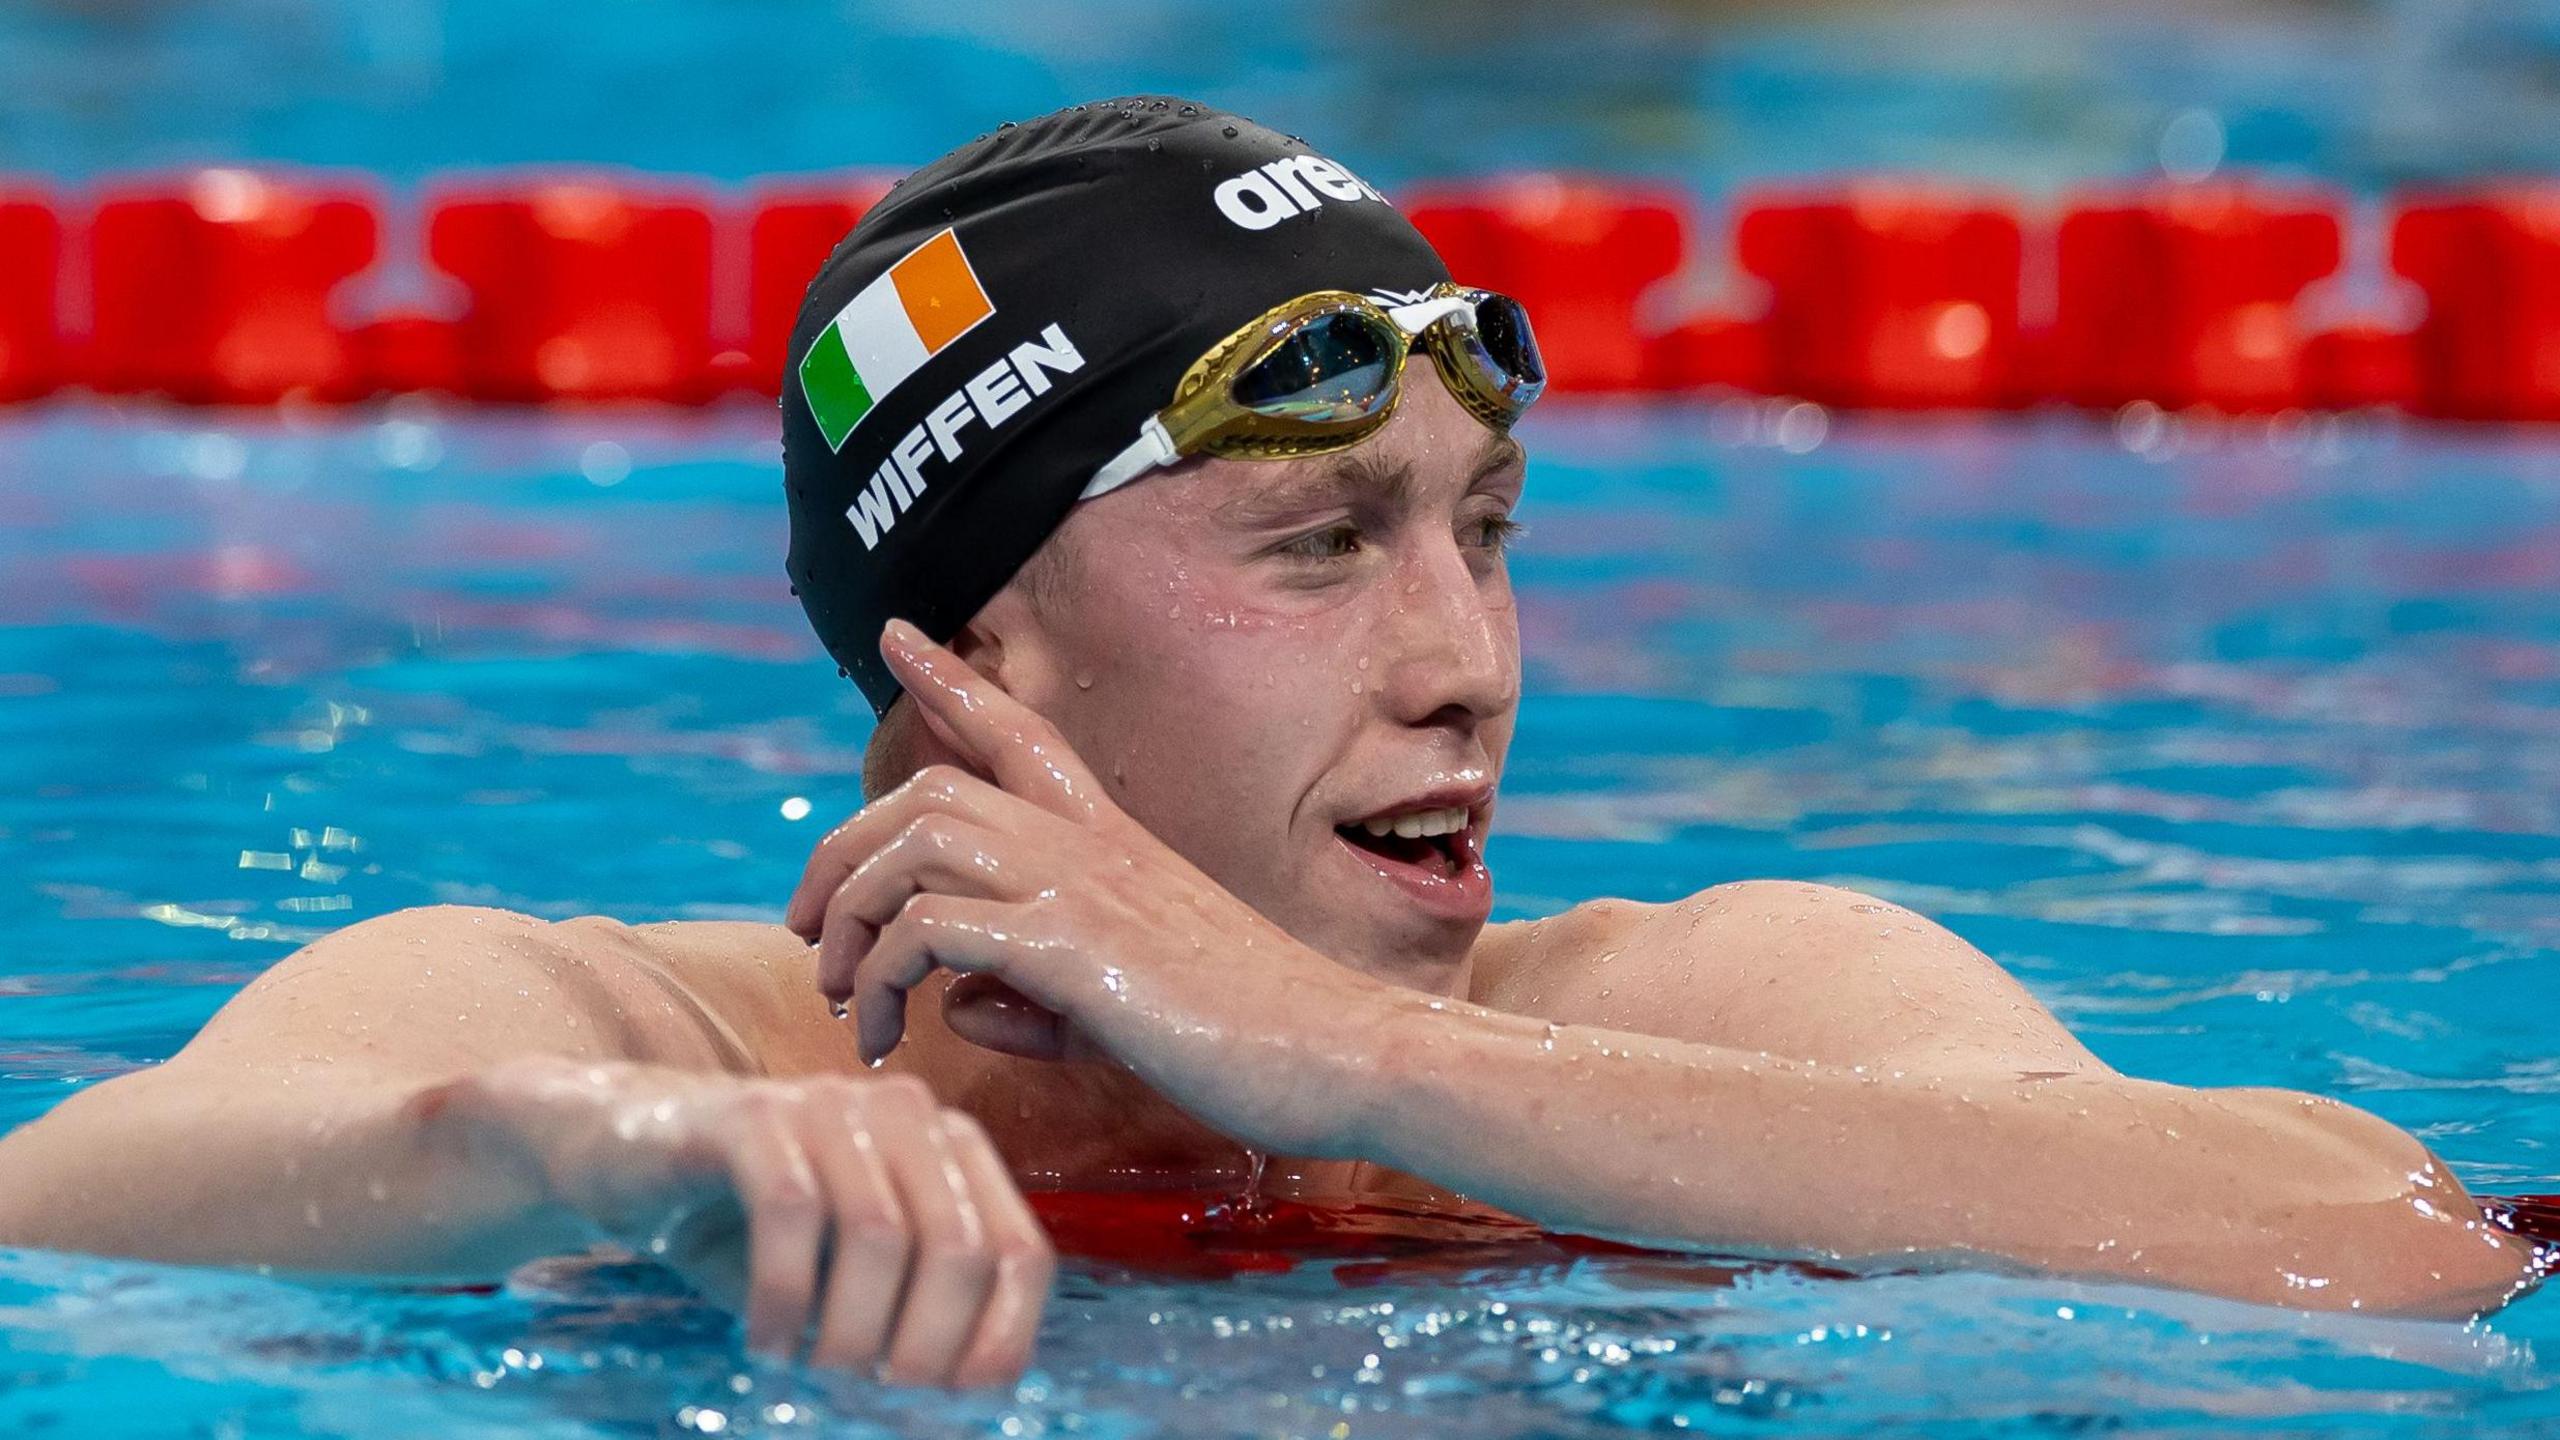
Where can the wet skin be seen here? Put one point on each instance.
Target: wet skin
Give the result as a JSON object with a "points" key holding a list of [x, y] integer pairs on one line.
{"points": [[1112, 932], [1134, 825]]}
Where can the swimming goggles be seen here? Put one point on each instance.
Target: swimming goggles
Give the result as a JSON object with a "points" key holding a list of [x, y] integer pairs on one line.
{"points": [[1323, 373]]}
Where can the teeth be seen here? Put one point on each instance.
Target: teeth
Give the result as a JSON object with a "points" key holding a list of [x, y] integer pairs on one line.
{"points": [[1420, 824]]}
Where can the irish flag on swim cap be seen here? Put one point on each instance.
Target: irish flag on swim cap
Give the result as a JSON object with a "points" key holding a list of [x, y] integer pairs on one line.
{"points": [[886, 333]]}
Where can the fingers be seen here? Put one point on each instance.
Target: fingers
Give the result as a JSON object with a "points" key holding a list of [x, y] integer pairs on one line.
{"points": [[958, 933], [939, 853], [1010, 740], [786, 1224], [935, 1271], [1024, 1260], [936, 789], [873, 1244], [953, 1270]]}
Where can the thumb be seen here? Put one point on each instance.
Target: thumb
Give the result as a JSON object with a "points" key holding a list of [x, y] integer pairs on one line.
{"points": [[992, 1015]]}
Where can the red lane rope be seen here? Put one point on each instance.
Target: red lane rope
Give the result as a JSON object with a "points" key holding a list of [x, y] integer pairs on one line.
{"points": [[238, 287]]}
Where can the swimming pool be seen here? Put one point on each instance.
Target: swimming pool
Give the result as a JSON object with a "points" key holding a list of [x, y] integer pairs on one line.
{"points": [[2239, 742]]}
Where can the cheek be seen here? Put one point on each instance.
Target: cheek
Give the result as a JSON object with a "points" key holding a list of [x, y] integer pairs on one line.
{"points": [[1210, 717]]}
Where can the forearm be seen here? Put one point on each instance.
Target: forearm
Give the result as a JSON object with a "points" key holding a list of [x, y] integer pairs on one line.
{"points": [[2253, 1194], [316, 1171]]}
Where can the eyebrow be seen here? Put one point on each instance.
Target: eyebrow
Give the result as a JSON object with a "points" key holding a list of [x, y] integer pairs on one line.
{"points": [[1357, 471]]}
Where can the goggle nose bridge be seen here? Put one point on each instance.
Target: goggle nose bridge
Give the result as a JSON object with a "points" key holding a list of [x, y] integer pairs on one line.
{"points": [[1415, 318], [1155, 445]]}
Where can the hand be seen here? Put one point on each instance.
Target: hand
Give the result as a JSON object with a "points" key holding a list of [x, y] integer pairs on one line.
{"points": [[855, 1208], [1028, 875]]}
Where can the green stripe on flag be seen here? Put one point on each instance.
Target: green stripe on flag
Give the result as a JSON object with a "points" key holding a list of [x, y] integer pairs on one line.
{"points": [[837, 397]]}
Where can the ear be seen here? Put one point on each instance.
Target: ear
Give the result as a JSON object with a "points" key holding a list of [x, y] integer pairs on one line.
{"points": [[982, 646], [997, 643], [1004, 643]]}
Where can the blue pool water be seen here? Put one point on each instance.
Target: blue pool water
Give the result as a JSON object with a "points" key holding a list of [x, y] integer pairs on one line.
{"points": [[2370, 95], [2240, 744]]}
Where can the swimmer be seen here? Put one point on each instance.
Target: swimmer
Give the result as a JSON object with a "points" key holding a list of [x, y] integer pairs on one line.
{"points": [[1151, 476]]}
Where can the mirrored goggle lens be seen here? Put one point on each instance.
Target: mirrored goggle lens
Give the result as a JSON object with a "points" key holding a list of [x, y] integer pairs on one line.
{"points": [[1502, 328], [1331, 368]]}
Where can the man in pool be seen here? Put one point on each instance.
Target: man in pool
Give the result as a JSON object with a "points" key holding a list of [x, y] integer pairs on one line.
{"points": [[1184, 445]]}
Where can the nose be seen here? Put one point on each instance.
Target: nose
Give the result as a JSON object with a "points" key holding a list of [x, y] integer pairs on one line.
{"points": [[1448, 648]]}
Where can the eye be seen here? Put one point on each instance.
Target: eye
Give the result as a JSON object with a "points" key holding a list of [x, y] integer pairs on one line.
{"points": [[1332, 543], [1498, 532]]}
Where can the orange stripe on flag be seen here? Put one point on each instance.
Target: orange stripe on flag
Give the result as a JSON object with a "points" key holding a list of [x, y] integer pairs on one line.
{"points": [[941, 295]]}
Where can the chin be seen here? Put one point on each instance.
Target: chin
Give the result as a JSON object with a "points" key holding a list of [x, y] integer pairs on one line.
{"points": [[1405, 929], [1383, 934]]}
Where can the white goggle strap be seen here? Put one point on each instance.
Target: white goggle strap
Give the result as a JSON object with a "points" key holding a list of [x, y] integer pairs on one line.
{"points": [[1153, 448], [1413, 318]]}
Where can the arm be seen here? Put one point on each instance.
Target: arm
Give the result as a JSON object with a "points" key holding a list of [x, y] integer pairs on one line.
{"points": [[1943, 1070], [1028, 877], [2262, 1195], [302, 1126], [449, 1092]]}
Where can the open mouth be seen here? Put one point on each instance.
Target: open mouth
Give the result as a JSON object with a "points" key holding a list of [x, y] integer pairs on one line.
{"points": [[1432, 854]]}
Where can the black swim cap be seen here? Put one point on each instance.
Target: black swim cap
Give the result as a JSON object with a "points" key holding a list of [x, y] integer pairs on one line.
{"points": [[1005, 320]]}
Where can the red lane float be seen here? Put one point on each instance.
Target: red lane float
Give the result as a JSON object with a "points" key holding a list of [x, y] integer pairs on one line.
{"points": [[30, 267], [792, 230], [218, 287], [2355, 367], [1710, 352], [581, 288], [231, 286], [1580, 252], [1889, 296], [2187, 295], [408, 352], [2489, 263]]}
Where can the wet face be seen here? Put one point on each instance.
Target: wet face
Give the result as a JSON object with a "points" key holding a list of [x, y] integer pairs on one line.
{"points": [[1259, 656]]}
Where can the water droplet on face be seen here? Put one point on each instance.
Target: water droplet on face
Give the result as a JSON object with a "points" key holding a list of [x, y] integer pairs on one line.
{"points": [[1364, 662], [1357, 687], [1084, 682], [842, 1010], [1227, 130]]}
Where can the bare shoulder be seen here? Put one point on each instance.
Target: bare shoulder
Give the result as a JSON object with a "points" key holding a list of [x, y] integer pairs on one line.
{"points": [[1517, 964], [438, 986], [1815, 972], [755, 985]]}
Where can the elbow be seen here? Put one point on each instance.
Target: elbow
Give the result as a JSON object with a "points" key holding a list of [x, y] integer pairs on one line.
{"points": [[2367, 1219]]}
